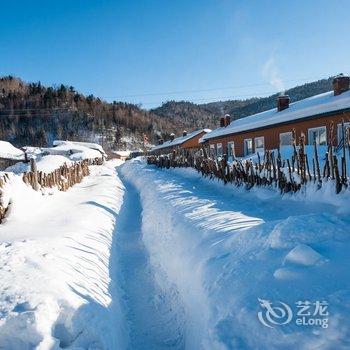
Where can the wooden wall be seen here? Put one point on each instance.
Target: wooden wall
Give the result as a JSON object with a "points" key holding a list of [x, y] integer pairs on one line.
{"points": [[271, 134]]}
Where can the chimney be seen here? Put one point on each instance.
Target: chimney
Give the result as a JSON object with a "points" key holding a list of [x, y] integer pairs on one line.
{"points": [[222, 122], [282, 102], [160, 141], [184, 133], [340, 84], [227, 120], [172, 136]]}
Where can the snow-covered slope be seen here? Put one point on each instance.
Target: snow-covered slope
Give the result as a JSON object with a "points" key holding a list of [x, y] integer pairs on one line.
{"points": [[228, 253], [56, 262]]}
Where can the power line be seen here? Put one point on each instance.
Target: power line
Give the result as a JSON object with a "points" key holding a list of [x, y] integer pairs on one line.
{"points": [[220, 99], [206, 90]]}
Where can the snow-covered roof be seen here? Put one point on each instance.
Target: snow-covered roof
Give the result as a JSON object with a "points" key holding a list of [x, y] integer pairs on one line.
{"points": [[180, 140], [122, 153], [312, 106], [69, 144], [8, 151]]}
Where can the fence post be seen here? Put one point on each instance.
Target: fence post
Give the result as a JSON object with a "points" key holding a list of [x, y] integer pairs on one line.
{"points": [[34, 170]]}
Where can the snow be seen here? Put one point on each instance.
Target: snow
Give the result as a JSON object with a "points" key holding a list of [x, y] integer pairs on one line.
{"points": [[76, 150], [149, 258], [303, 255], [93, 146], [55, 266], [315, 105], [222, 249], [8, 151], [122, 153], [46, 164], [180, 140]]}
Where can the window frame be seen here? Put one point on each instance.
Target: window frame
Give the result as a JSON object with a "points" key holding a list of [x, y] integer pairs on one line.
{"points": [[231, 152], [310, 130], [212, 150], [217, 149], [258, 149], [286, 133], [245, 146]]}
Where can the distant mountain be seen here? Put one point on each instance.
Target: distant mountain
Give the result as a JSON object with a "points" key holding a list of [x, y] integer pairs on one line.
{"points": [[207, 115]]}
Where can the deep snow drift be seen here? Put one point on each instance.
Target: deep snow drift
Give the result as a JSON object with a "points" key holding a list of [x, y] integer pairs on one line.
{"points": [[228, 253], [56, 266]]}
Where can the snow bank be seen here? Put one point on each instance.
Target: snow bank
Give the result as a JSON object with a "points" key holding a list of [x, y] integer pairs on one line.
{"points": [[56, 266], [8, 151], [230, 252], [46, 164]]}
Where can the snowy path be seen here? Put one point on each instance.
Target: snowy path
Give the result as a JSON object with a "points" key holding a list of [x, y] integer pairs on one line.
{"points": [[154, 323]]}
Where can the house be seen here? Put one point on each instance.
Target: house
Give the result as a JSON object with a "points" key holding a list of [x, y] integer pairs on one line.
{"points": [[319, 118], [10, 155], [188, 141]]}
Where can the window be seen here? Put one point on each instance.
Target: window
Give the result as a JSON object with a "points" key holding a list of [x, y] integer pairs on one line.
{"points": [[230, 149], [212, 151], [259, 144], [319, 135], [219, 149], [340, 132], [248, 146], [286, 138]]}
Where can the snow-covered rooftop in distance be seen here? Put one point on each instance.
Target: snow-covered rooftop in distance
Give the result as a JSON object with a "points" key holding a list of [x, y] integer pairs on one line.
{"points": [[180, 140], [8, 151], [315, 105], [91, 145]]}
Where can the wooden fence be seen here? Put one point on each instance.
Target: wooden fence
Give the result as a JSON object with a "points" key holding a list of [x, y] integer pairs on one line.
{"points": [[289, 175], [3, 179], [62, 178]]}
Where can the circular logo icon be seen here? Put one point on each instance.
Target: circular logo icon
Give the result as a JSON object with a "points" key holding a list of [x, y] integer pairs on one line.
{"points": [[272, 316]]}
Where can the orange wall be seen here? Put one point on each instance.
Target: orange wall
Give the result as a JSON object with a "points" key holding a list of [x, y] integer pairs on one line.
{"points": [[189, 144], [271, 134]]}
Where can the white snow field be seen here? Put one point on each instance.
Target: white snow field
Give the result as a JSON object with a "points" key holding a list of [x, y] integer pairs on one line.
{"points": [[56, 264], [216, 253], [152, 259]]}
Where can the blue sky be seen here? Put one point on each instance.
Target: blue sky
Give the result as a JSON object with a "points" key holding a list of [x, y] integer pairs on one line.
{"points": [[152, 51]]}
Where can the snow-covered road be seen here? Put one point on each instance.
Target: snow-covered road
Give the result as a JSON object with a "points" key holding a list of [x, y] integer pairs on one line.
{"points": [[154, 315], [164, 259]]}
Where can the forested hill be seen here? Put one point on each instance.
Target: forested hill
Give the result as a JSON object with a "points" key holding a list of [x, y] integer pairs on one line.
{"points": [[207, 114], [32, 114]]}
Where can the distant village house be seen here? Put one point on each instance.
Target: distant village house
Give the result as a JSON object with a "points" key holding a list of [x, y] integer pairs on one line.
{"points": [[188, 141]]}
